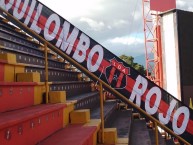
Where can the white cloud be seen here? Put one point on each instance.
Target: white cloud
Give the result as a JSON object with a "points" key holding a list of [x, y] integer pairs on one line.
{"points": [[185, 5], [120, 23], [109, 27], [190, 8], [74, 8], [126, 40], [137, 16], [94, 25], [180, 3]]}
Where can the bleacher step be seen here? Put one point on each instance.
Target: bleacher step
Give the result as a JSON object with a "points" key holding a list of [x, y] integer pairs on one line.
{"points": [[72, 135], [161, 140], [16, 95], [122, 121], [109, 108], [170, 142], [152, 136], [139, 133], [85, 100], [72, 88], [30, 125], [120, 141]]}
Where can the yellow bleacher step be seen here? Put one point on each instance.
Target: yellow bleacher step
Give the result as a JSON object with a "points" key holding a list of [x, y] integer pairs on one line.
{"points": [[67, 66], [28, 77], [80, 76], [9, 57], [11, 67], [39, 91], [86, 78], [110, 136], [5, 20], [57, 96], [74, 69], [122, 141], [60, 59], [80, 116], [67, 111], [54, 56], [136, 115], [17, 29], [93, 87]]}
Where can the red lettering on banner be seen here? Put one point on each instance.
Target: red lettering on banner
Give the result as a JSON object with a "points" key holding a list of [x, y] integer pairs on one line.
{"points": [[120, 67]]}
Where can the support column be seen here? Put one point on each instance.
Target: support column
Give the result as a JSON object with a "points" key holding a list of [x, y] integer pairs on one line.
{"points": [[46, 70], [101, 111], [156, 134]]}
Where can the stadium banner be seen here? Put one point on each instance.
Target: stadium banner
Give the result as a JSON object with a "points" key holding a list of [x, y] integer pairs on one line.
{"points": [[162, 5], [103, 64]]}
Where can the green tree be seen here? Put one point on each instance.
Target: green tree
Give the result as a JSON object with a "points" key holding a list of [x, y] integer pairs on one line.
{"points": [[130, 61]]}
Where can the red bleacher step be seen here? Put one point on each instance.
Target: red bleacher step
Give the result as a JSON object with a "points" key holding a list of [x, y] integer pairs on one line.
{"points": [[72, 135], [97, 124], [16, 95], [30, 125]]}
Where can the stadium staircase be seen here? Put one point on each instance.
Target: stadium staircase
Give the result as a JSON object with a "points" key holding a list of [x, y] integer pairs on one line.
{"points": [[74, 103], [47, 98]]}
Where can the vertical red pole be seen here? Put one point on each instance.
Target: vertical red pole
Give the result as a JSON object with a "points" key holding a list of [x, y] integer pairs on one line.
{"points": [[152, 44]]}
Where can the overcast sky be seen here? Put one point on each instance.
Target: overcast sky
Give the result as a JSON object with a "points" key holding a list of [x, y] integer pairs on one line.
{"points": [[116, 24]]}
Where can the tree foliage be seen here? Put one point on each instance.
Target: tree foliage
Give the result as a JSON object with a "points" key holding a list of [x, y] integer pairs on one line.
{"points": [[130, 61]]}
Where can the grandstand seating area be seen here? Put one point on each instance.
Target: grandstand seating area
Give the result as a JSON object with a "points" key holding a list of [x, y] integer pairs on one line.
{"points": [[72, 114]]}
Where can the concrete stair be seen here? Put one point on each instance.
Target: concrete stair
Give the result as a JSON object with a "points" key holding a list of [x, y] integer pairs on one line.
{"points": [[140, 133]]}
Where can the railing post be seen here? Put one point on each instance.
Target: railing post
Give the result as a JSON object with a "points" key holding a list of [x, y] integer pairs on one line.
{"points": [[156, 134], [46, 70], [101, 112]]}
